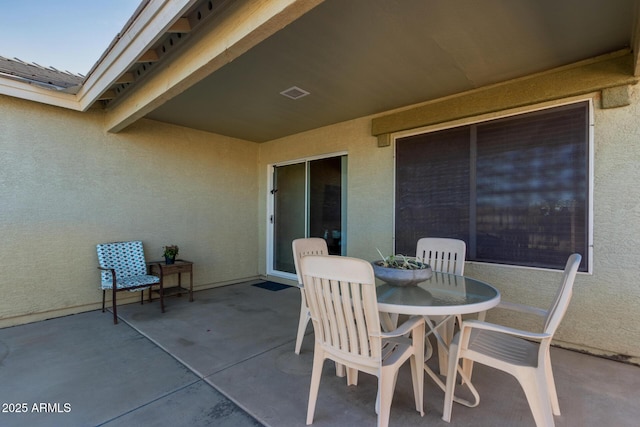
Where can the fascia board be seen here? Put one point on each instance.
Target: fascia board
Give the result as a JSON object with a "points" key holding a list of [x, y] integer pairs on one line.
{"points": [[31, 92], [154, 20]]}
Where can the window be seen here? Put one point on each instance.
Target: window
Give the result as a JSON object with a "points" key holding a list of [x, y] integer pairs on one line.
{"points": [[516, 189]]}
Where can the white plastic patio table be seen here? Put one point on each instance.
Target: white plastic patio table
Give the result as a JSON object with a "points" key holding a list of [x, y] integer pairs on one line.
{"points": [[442, 295]]}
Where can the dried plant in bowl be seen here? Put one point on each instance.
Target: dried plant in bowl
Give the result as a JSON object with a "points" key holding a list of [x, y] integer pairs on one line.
{"points": [[401, 270]]}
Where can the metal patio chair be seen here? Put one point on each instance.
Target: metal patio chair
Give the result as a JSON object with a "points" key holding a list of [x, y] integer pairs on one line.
{"points": [[123, 268]]}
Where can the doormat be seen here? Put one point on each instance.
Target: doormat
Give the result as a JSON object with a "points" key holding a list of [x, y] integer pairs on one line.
{"points": [[272, 286]]}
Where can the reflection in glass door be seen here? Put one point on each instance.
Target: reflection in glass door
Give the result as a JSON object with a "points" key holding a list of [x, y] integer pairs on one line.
{"points": [[289, 213], [309, 200]]}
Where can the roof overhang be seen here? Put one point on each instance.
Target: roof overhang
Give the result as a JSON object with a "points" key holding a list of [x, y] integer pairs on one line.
{"points": [[236, 27]]}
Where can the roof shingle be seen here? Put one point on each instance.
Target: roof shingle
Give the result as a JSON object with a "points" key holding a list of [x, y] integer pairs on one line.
{"points": [[47, 77]]}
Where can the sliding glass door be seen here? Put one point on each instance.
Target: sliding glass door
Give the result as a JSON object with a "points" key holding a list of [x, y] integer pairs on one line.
{"points": [[308, 200]]}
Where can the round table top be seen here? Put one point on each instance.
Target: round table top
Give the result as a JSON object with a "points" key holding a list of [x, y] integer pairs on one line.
{"points": [[442, 294]]}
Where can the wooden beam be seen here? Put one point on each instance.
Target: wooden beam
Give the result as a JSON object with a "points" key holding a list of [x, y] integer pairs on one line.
{"points": [[180, 26], [153, 21], [110, 94], [125, 78], [149, 56]]}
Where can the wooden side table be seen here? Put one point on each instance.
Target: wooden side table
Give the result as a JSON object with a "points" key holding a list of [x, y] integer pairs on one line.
{"points": [[161, 269]]}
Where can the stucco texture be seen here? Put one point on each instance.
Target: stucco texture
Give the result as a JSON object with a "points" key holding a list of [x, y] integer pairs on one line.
{"points": [[66, 185], [603, 317]]}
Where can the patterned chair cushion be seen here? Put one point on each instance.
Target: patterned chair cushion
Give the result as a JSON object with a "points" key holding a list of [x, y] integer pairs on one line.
{"points": [[132, 282], [127, 259]]}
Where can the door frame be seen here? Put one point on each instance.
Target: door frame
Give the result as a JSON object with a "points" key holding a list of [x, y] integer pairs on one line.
{"points": [[270, 209]]}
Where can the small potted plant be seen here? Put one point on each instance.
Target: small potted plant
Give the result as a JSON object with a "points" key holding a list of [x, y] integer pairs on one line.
{"points": [[401, 270], [170, 253]]}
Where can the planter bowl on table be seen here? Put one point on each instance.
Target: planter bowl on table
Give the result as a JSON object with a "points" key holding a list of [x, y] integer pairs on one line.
{"points": [[401, 277]]}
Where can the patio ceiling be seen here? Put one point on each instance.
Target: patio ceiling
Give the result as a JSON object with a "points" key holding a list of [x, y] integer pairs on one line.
{"points": [[361, 57], [225, 73]]}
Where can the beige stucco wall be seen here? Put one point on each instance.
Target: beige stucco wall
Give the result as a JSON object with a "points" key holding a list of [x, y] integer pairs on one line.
{"points": [[66, 185], [604, 316]]}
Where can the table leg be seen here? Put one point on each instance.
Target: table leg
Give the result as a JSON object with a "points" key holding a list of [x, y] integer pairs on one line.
{"points": [[465, 380], [444, 345], [446, 327], [388, 321], [191, 285]]}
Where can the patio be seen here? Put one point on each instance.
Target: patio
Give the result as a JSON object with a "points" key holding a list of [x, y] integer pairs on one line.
{"points": [[175, 135], [237, 341]]}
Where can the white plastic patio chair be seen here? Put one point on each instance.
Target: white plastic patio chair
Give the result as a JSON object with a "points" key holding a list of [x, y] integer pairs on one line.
{"points": [[523, 354], [442, 254], [341, 294], [446, 256], [303, 247]]}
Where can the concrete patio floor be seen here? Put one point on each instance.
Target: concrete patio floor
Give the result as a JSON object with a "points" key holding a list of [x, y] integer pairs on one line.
{"points": [[227, 359]]}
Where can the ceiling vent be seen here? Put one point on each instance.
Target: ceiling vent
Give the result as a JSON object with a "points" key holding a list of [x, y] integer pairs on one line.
{"points": [[294, 92]]}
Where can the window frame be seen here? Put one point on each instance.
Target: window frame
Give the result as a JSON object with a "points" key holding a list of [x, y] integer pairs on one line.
{"points": [[589, 99]]}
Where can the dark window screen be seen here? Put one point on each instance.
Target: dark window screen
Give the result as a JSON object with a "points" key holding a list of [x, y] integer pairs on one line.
{"points": [[515, 189], [432, 187]]}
